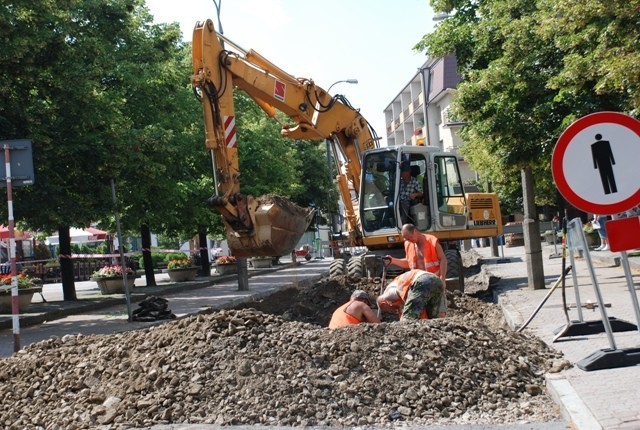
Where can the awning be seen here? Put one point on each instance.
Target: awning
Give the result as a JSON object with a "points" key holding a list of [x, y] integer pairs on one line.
{"points": [[96, 234], [17, 234]]}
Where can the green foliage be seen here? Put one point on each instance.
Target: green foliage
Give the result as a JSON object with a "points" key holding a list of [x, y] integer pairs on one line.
{"points": [[102, 93], [599, 40], [156, 257], [162, 257], [168, 256], [41, 251]]}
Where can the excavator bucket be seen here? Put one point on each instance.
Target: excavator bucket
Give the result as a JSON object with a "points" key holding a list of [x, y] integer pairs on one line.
{"points": [[278, 226]]}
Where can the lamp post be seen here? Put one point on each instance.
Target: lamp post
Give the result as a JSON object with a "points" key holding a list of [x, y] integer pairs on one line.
{"points": [[348, 81]]}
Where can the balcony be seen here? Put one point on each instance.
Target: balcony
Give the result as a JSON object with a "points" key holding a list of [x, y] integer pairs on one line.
{"points": [[449, 120]]}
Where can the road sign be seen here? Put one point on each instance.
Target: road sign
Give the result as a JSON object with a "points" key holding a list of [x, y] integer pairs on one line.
{"points": [[595, 165], [21, 163], [624, 233]]}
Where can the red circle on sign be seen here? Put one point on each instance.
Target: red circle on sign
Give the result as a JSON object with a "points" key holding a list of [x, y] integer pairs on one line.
{"points": [[558, 158]]}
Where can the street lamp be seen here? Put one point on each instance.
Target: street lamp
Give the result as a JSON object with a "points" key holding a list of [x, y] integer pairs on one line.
{"points": [[348, 81]]}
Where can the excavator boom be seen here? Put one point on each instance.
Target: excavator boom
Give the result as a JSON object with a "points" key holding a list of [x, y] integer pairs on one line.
{"points": [[268, 225]]}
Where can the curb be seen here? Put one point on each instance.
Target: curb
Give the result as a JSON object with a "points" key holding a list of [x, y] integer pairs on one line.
{"points": [[573, 409], [512, 316], [606, 260]]}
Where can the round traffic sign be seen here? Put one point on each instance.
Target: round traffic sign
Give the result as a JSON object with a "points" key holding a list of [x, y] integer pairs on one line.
{"points": [[595, 163]]}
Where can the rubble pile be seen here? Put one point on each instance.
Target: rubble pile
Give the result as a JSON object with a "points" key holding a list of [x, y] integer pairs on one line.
{"points": [[245, 366], [152, 309]]}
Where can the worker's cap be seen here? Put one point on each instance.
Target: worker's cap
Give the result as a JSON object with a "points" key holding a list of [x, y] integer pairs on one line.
{"points": [[360, 294], [405, 166]]}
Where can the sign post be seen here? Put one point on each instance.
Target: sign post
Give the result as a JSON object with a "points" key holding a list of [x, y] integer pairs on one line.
{"points": [[22, 166], [594, 165]]}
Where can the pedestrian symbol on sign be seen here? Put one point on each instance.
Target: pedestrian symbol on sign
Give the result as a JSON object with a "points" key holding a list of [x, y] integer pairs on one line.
{"points": [[599, 175], [603, 161]]}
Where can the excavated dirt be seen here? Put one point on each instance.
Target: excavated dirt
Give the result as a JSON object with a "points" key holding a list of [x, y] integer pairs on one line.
{"points": [[276, 364], [283, 203]]}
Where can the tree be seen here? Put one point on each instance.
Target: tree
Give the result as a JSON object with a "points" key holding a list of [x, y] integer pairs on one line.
{"points": [[511, 113], [504, 99], [529, 69], [106, 99], [599, 42]]}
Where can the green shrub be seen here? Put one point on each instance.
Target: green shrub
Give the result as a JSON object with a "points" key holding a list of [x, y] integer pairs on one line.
{"points": [[41, 252], [168, 256], [162, 257], [156, 257]]}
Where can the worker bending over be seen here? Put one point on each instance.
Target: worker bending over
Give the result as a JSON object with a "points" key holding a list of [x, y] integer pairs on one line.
{"points": [[357, 310], [416, 294]]}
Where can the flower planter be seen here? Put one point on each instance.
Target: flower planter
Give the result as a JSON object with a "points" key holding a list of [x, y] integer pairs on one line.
{"points": [[182, 275], [225, 269], [262, 263], [24, 299], [114, 285]]}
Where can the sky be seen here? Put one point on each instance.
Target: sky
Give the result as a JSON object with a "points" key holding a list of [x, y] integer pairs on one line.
{"points": [[324, 40]]}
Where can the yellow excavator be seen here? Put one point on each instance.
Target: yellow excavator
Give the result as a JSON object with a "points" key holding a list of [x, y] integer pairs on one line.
{"points": [[368, 177]]}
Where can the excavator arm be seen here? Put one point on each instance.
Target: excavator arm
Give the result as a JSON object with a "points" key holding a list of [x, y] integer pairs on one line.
{"points": [[315, 115]]}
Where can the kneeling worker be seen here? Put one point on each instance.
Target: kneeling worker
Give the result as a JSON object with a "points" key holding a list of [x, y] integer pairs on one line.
{"points": [[355, 311], [415, 294]]}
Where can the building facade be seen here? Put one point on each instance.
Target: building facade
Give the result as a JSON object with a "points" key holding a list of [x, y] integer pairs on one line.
{"points": [[419, 114]]}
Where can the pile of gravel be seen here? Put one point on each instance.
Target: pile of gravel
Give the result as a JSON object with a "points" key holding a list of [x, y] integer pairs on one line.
{"points": [[250, 367]]}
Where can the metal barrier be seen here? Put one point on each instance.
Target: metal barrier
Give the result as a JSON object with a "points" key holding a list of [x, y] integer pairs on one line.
{"points": [[608, 358]]}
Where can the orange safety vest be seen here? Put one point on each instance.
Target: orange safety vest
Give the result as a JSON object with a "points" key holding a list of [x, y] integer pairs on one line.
{"points": [[431, 259], [341, 318], [403, 283]]}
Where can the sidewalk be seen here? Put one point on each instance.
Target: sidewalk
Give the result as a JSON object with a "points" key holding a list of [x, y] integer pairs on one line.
{"points": [[598, 399], [94, 313]]}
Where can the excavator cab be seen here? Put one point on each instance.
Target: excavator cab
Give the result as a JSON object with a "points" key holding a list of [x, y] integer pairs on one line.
{"points": [[384, 203], [377, 202]]}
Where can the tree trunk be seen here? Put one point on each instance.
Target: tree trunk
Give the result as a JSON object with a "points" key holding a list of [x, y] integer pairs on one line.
{"points": [[205, 266], [493, 240], [531, 230], [145, 234], [66, 264]]}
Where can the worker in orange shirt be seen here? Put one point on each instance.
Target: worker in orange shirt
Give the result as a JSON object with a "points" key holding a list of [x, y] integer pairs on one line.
{"points": [[357, 310], [424, 252], [415, 294]]}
